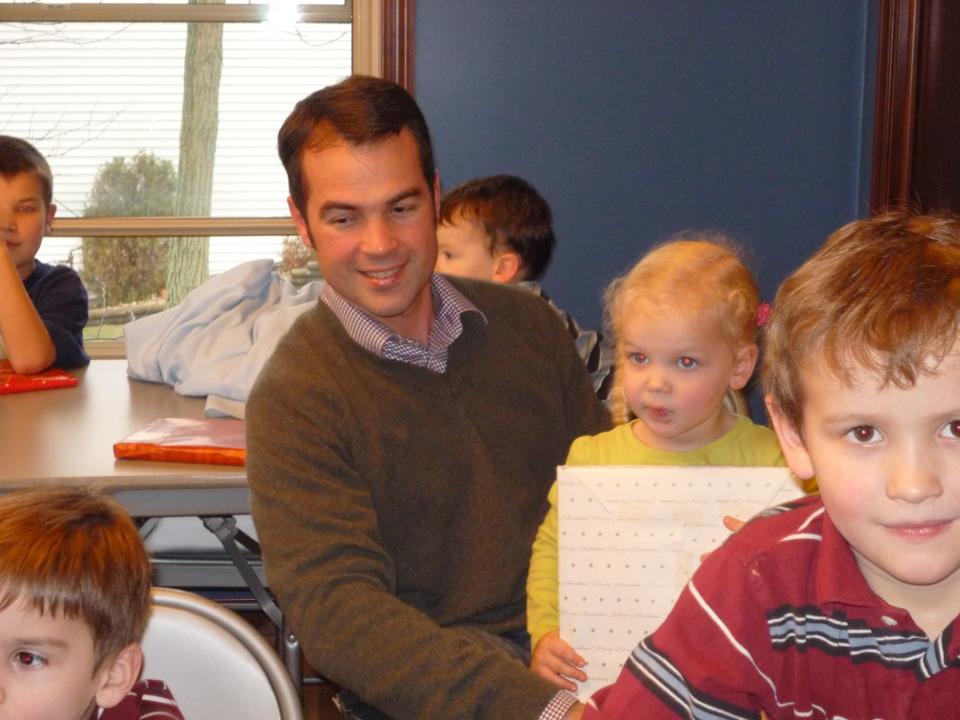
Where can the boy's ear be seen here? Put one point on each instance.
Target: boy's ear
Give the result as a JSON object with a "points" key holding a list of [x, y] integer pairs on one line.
{"points": [[120, 675], [744, 362], [51, 213], [507, 267], [791, 442], [302, 230]]}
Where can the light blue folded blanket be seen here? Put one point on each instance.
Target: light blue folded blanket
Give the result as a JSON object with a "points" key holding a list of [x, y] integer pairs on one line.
{"points": [[216, 341]]}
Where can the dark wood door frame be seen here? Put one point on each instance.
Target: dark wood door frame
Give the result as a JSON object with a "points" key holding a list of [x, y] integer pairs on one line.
{"points": [[397, 43], [896, 102]]}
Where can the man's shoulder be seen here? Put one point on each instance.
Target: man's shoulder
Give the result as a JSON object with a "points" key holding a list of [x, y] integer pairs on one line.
{"points": [[508, 306]]}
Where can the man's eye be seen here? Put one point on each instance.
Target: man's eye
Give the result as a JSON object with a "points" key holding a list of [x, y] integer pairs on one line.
{"points": [[402, 209], [29, 659], [687, 363], [864, 434], [951, 430]]}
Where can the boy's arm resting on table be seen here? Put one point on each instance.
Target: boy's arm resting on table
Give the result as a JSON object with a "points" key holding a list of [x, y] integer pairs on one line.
{"points": [[29, 347], [336, 582], [61, 302]]}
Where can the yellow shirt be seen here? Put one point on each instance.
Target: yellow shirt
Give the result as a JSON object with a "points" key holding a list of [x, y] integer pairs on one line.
{"points": [[746, 444]]}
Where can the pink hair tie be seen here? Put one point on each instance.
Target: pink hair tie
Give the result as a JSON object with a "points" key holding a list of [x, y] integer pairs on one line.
{"points": [[763, 314]]}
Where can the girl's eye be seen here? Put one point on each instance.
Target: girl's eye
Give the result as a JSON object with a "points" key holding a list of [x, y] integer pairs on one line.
{"points": [[864, 434], [951, 430], [637, 358], [29, 659], [687, 363]]}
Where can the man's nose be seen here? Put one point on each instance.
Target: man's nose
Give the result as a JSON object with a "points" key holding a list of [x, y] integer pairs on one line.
{"points": [[378, 237]]}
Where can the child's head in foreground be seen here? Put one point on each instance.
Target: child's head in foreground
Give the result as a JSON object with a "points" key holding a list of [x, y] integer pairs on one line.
{"points": [[685, 319], [862, 375], [496, 228], [74, 602], [26, 201]]}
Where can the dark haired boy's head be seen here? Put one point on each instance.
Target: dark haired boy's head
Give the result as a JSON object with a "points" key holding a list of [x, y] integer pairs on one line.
{"points": [[26, 202], [18, 156], [495, 228]]}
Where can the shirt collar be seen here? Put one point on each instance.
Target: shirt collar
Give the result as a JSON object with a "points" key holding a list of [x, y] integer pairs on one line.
{"points": [[372, 335]]}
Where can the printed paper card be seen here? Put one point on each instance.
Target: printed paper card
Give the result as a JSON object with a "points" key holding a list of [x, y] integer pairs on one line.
{"points": [[631, 537]]}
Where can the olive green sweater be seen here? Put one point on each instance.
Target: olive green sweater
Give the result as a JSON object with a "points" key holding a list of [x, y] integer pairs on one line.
{"points": [[396, 506]]}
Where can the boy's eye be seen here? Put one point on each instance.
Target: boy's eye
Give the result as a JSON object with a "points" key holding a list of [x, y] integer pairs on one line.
{"points": [[637, 358], [29, 659], [687, 363], [864, 434], [951, 430]]}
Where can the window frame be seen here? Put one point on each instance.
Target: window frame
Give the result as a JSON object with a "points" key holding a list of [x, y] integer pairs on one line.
{"points": [[383, 46]]}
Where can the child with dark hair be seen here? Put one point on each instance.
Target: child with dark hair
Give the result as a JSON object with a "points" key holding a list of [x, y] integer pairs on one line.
{"points": [[43, 308], [500, 229]]}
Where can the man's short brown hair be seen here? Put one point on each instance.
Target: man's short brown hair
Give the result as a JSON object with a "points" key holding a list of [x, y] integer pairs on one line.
{"points": [[73, 553], [882, 295]]}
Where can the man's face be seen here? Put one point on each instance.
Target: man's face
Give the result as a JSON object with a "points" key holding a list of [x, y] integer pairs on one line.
{"points": [[24, 218], [465, 250], [371, 218], [887, 460], [47, 668]]}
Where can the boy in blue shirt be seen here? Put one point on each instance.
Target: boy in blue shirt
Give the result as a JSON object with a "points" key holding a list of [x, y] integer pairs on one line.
{"points": [[43, 308]]}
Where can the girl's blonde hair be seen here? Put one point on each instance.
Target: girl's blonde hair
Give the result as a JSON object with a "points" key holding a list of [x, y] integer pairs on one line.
{"points": [[693, 272]]}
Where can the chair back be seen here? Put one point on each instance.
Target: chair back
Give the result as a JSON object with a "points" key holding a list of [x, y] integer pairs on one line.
{"points": [[215, 663]]}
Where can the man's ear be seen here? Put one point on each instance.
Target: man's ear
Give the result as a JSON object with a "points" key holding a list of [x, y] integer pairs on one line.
{"points": [[744, 362], [507, 267], [791, 442], [436, 195], [302, 230], [119, 675]]}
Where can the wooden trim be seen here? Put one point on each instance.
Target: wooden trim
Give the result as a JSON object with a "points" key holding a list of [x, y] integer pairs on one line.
{"points": [[397, 17], [896, 101]]}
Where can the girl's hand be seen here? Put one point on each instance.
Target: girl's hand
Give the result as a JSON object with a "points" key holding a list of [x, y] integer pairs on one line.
{"points": [[730, 523], [554, 660]]}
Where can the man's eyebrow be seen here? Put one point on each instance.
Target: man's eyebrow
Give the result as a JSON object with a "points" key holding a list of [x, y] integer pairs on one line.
{"points": [[331, 205]]}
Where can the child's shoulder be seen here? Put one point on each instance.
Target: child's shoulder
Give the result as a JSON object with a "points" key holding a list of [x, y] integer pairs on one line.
{"points": [[785, 540], [611, 447]]}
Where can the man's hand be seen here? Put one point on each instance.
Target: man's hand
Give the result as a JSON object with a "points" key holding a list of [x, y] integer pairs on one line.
{"points": [[554, 660]]}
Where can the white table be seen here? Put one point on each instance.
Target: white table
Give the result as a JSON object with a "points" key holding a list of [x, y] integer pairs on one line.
{"points": [[65, 437]]}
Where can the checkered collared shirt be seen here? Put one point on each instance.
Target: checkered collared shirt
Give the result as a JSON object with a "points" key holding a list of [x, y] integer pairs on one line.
{"points": [[371, 334]]}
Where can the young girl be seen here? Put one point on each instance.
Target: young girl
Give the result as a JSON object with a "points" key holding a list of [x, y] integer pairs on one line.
{"points": [[685, 318]]}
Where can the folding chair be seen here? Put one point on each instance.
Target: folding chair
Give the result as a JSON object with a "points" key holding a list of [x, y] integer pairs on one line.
{"points": [[215, 663]]}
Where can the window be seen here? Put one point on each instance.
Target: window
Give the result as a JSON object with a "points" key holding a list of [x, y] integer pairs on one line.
{"points": [[159, 121]]}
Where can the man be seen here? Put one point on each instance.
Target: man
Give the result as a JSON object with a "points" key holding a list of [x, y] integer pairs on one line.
{"points": [[402, 438]]}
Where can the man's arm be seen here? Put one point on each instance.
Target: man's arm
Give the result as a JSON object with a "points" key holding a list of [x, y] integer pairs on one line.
{"points": [[28, 345]]}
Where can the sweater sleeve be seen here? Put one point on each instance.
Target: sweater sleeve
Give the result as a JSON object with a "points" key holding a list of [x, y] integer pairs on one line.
{"points": [[335, 581]]}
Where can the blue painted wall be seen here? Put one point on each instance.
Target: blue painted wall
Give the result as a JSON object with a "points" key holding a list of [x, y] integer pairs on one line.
{"points": [[639, 118]]}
